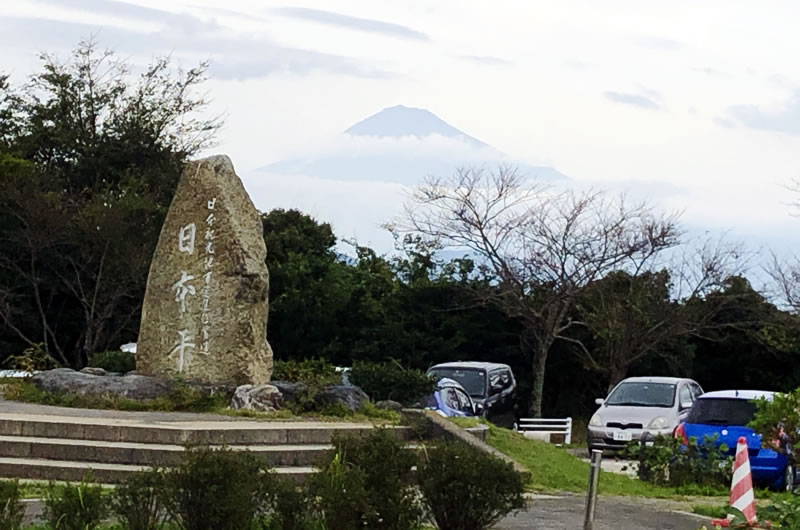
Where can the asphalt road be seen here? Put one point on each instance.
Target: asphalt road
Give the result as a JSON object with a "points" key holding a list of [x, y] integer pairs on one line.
{"points": [[613, 513]]}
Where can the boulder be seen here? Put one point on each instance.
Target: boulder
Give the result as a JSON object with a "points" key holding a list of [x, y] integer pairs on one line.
{"points": [[91, 370], [350, 396], [66, 380], [290, 391], [263, 398], [205, 308], [388, 404]]}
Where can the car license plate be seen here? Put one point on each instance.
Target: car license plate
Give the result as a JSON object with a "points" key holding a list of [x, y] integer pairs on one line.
{"points": [[622, 436]]}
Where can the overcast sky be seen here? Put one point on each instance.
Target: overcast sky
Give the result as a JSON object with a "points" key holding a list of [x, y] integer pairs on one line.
{"points": [[696, 101]]}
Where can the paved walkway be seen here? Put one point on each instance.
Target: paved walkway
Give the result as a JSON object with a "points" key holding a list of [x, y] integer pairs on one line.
{"points": [[613, 513], [22, 411]]}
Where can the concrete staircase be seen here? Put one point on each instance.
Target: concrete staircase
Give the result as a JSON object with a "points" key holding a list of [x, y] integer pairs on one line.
{"points": [[48, 446]]}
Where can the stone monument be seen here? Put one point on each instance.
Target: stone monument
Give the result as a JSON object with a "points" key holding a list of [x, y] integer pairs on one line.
{"points": [[205, 308]]}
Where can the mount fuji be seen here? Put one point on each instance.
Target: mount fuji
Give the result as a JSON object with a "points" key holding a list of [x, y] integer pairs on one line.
{"points": [[400, 145]]}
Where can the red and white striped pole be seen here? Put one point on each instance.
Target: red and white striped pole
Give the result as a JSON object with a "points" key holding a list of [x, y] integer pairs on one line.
{"points": [[742, 497]]}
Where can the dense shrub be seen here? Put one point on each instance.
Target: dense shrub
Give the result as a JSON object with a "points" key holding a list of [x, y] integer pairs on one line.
{"points": [[782, 513], [32, 359], [341, 494], [215, 490], [289, 506], [391, 380], [782, 411], [114, 361], [312, 372], [75, 507], [138, 502], [11, 509], [667, 462], [386, 465], [467, 489]]}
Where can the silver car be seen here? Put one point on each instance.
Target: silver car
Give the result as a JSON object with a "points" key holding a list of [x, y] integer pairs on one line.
{"points": [[641, 408]]}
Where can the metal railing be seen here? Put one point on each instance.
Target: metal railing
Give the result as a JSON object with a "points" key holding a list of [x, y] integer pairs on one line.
{"points": [[547, 426]]}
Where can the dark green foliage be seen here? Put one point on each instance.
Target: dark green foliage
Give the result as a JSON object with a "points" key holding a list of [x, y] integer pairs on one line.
{"points": [[216, 490], [784, 408], [12, 511], [290, 506], [667, 463], [367, 482], [80, 506], [391, 380], [31, 359], [386, 465], [467, 489], [341, 494], [783, 513], [89, 159], [313, 372], [114, 361], [138, 502]]}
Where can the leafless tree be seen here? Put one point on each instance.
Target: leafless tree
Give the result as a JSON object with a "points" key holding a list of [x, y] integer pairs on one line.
{"points": [[542, 247]]}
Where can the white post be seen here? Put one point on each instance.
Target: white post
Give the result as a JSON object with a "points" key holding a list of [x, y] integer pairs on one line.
{"points": [[568, 437]]}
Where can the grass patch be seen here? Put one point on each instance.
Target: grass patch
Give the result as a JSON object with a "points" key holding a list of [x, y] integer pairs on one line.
{"points": [[554, 469], [711, 511]]}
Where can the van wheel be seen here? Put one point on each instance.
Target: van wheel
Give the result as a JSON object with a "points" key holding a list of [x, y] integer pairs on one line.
{"points": [[788, 478]]}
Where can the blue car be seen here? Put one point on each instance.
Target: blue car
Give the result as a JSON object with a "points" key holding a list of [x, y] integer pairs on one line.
{"points": [[725, 414], [450, 399]]}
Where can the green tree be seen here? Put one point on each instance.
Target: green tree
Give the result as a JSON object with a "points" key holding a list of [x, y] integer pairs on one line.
{"points": [[80, 217], [749, 342]]}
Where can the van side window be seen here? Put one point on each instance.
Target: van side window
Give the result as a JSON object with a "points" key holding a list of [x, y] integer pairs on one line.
{"points": [[495, 385], [685, 394], [499, 381]]}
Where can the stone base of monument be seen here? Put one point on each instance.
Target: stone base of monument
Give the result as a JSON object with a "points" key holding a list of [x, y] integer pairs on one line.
{"points": [[262, 398]]}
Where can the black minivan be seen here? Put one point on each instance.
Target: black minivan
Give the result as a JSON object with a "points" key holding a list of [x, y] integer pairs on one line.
{"points": [[490, 385]]}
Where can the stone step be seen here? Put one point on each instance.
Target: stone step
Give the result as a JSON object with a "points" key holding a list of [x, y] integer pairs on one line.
{"points": [[66, 470], [240, 432], [155, 455]]}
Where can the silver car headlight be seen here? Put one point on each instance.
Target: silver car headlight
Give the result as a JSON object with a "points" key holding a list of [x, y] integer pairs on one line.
{"points": [[658, 423], [596, 421]]}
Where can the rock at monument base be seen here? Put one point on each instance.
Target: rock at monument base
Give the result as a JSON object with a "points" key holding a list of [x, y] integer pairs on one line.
{"points": [[351, 397], [136, 387], [262, 398], [205, 308], [388, 404], [91, 370]]}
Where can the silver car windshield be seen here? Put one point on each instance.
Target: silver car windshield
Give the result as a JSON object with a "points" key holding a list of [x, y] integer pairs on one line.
{"points": [[643, 395]]}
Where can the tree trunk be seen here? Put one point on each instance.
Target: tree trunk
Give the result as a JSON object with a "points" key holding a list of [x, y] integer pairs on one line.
{"points": [[616, 374], [537, 392]]}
